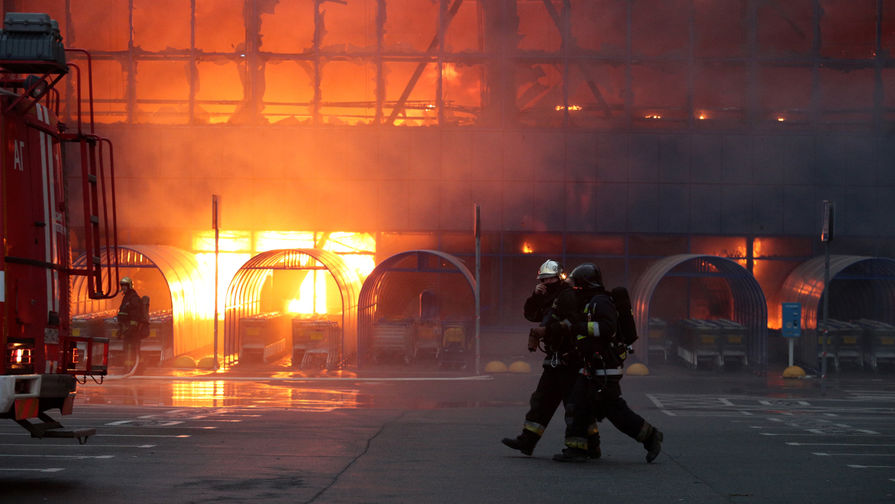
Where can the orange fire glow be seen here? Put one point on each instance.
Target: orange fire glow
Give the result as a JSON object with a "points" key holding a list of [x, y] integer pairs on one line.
{"points": [[357, 250], [756, 247], [311, 295], [527, 248]]}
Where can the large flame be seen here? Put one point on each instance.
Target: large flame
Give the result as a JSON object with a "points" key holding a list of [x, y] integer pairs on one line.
{"points": [[235, 247]]}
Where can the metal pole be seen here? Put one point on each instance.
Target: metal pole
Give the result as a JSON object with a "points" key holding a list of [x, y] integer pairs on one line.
{"points": [[826, 236], [824, 333], [478, 268], [215, 200]]}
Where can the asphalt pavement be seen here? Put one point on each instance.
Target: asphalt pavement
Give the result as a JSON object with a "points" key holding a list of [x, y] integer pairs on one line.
{"points": [[398, 435]]}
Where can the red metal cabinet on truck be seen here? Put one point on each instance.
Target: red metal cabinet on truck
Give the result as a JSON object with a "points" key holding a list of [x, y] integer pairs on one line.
{"points": [[42, 359]]}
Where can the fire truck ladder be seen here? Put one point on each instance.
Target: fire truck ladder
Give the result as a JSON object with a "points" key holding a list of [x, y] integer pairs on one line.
{"points": [[100, 217]]}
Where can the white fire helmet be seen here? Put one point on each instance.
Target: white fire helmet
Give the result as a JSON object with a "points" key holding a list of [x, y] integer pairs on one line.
{"points": [[127, 281], [550, 268]]}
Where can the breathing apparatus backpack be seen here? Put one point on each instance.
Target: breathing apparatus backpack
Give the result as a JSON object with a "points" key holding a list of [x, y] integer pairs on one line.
{"points": [[620, 344]]}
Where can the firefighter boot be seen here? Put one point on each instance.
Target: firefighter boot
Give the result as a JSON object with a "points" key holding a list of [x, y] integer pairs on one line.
{"points": [[524, 442], [651, 438]]}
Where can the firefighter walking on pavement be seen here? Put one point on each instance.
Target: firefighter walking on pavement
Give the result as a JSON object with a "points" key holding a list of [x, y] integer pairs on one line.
{"points": [[552, 301], [597, 390]]}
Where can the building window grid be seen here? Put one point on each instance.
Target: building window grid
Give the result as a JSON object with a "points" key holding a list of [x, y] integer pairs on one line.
{"points": [[570, 62]]}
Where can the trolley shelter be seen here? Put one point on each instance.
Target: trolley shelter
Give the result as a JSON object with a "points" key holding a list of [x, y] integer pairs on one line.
{"points": [[417, 305], [861, 318], [747, 324], [180, 323], [244, 303]]}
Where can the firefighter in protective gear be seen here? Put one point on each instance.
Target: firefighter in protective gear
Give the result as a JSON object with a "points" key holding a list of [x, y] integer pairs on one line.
{"points": [[130, 321], [548, 285], [551, 302], [597, 390]]}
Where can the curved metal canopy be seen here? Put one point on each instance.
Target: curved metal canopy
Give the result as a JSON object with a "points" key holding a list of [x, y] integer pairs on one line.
{"points": [[749, 304], [871, 291], [410, 261], [180, 271], [244, 294]]}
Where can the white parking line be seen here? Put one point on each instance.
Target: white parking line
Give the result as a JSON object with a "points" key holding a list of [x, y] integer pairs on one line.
{"points": [[796, 443], [46, 469], [159, 426], [821, 431], [824, 454], [858, 466], [815, 434], [73, 445], [146, 435], [34, 455]]}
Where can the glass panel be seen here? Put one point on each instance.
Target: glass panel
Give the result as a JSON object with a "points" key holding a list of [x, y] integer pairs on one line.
{"points": [[289, 28], [349, 92], [660, 28], [594, 245], [543, 244], [537, 31], [888, 29], [720, 29], [108, 90], [784, 94], [600, 25], [770, 275], [349, 25], [721, 246], [464, 33], [785, 28], [539, 93], [111, 15], [654, 245], [781, 247], [846, 96], [218, 82], [161, 25], [719, 92], [389, 244], [660, 93], [888, 78], [419, 108], [457, 243], [410, 25], [596, 94], [462, 92], [220, 26], [288, 90], [165, 82], [848, 28]]}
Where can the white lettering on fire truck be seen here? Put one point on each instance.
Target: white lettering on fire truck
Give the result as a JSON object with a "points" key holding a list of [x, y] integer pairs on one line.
{"points": [[19, 147]]}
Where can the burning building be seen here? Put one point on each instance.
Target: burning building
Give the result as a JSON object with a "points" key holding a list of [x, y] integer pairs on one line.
{"points": [[618, 131]]}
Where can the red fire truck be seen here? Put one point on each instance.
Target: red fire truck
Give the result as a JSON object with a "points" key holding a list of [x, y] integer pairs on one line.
{"points": [[46, 165]]}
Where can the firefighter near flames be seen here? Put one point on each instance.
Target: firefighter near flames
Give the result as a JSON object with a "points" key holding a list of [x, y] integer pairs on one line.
{"points": [[43, 361]]}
